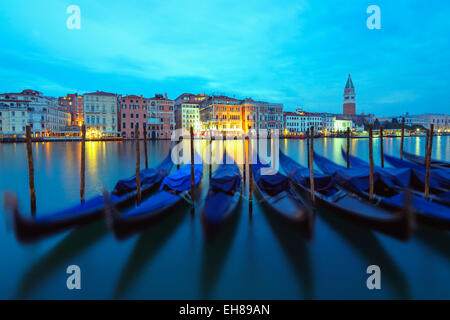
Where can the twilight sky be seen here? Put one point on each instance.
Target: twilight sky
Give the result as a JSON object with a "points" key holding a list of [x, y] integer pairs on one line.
{"points": [[295, 52]]}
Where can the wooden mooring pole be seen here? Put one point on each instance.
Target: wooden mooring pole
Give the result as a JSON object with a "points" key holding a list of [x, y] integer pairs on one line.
{"points": [[31, 172], [145, 146], [348, 147], [83, 162], [250, 176], [307, 146], [244, 160], [138, 163], [370, 163], [311, 167], [210, 156], [402, 138], [382, 147], [428, 163], [426, 146], [191, 131]]}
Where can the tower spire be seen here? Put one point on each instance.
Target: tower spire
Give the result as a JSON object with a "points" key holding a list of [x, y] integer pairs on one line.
{"points": [[349, 84], [349, 97]]}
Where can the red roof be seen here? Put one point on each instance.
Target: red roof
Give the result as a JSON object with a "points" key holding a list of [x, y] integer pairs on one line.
{"points": [[291, 114], [100, 93]]}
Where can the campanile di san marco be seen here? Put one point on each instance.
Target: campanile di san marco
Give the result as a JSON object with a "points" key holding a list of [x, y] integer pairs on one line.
{"points": [[349, 97]]}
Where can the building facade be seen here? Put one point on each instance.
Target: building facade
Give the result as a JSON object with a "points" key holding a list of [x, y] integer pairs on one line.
{"points": [[45, 116], [161, 120], [100, 114], [349, 97], [296, 123], [221, 113], [441, 122], [13, 118], [336, 124], [133, 110], [187, 112], [73, 103]]}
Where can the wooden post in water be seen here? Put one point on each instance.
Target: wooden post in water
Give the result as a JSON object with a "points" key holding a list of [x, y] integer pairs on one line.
{"points": [[307, 146], [138, 163], [31, 172], [426, 147], [370, 163], [348, 147], [83, 161], [244, 158], [311, 167], [145, 146], [428, 163], [210, 156], [402, 138], [191, 131], [178, 154], [250, 175], [381, 147]]}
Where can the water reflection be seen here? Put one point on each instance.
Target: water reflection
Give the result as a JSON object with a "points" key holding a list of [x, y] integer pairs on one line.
{"points": [[296, 249], [215, 252], [77, 242], [147, 246], [372, 251]]}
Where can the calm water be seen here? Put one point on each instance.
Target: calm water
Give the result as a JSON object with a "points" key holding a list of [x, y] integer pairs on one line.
{"points": [[256, 258]]}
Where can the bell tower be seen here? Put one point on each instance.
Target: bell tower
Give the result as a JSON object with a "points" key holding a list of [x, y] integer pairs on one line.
{"points": [[349, 97]]}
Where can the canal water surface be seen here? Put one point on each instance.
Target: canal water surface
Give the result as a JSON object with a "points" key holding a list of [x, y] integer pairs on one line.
{"points": [[254, 257]]}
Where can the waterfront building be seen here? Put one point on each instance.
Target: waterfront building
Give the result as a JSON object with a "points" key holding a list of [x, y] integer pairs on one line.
{"points": [[349, 97], [45, 116], [261, 115], [187, 112], [441, 122], [13, 117], [336, 124], [133, 109], [100, 111], [221, 113], [161, 121], [296, 123], [73, 103]]}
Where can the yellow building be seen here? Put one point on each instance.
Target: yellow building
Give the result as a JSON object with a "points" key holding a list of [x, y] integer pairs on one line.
{"points": [[100, 114], [221, 113]]}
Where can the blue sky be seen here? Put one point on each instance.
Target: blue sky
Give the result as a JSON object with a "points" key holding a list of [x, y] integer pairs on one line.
{"points": [[298, 52]]}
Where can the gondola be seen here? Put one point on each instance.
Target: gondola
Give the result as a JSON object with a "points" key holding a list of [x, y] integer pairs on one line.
{"points": [[124, 193], [277, 194], [356, 180], [436, 164], [224, 195], [439, 176], [406, 178], [354, 208], [174, 190]]}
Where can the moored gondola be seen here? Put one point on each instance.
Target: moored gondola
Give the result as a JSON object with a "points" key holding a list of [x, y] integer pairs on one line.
{"points": [[224, 195], [419, 160], [440, 176], [277, 194], [391, 198], [400, 224], [406, 178], [33, 229], [174, 190]]}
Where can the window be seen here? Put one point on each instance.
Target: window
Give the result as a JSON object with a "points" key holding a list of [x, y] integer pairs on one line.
{"points": [[131, 116], [137, 115], [132, 125], [124, 125]]}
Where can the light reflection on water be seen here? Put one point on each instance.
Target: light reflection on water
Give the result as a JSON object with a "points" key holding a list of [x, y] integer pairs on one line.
{"points": [[252, 258]]}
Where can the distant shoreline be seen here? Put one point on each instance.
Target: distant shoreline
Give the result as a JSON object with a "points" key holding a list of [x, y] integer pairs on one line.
{"points": [[119, 139]]}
